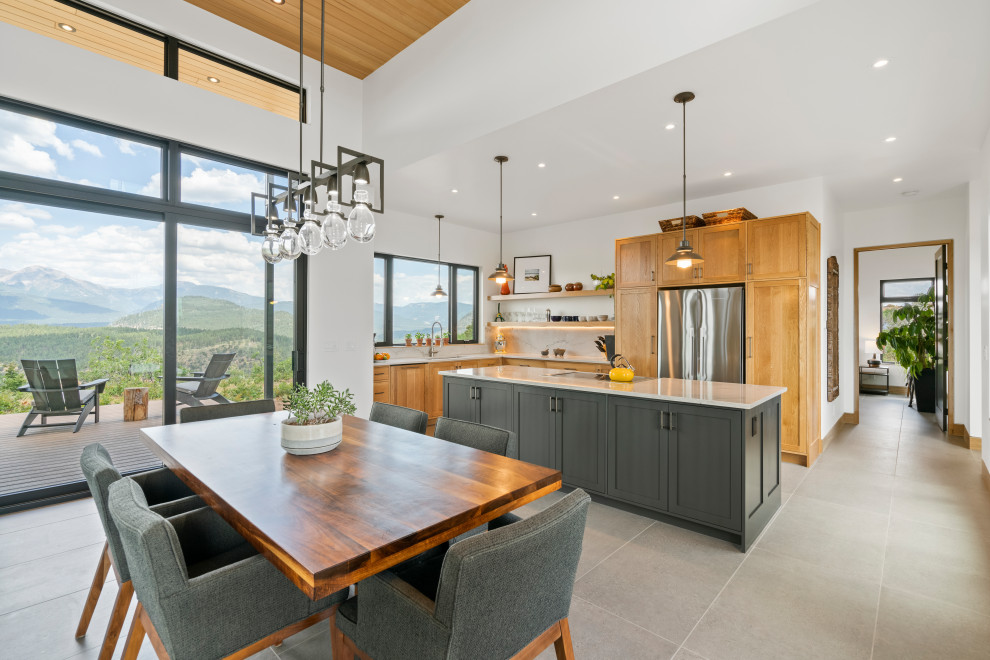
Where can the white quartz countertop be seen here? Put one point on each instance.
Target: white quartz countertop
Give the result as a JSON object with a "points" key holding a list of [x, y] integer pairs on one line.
{"points": [[442, 357], [699, 392]]}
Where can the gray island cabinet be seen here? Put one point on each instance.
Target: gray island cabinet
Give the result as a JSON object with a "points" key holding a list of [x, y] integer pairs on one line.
{"points": [[701, 455]]}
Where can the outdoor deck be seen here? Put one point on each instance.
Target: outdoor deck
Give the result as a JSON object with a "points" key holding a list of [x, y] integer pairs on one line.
{"points": [[44, 458]]}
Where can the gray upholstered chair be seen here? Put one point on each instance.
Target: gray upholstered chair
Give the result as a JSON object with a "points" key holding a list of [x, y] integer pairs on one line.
{"points": [[399, 417], [484, 438], [203, 591], [492, 596], [163, 490], [478, 436], [225, 410]]}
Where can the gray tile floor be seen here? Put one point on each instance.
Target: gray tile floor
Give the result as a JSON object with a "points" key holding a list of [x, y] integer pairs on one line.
{"points": [[881, 550]]}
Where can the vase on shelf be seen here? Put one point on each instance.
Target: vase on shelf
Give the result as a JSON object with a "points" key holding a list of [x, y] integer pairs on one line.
{"points": [[505, 288]]}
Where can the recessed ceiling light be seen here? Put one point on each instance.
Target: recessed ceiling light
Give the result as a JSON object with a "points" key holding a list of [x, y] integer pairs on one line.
{"points": [[879, 64], [669, 127], [212, 79], [541, 164], [727, 174], [453, 190], [898, 179], [533, 214], [66, 27], [615, 197], [279, 2], [890, 139]]}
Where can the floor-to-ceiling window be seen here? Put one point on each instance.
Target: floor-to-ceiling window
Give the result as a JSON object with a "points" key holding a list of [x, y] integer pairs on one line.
{"points": [[133, 256]]}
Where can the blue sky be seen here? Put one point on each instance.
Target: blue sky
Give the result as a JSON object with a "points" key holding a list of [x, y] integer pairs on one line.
{"points": [[115, 251]]}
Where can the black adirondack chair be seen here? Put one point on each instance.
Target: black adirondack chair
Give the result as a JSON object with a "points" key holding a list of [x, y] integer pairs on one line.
{"points": [[54, 384], [202, 385]]}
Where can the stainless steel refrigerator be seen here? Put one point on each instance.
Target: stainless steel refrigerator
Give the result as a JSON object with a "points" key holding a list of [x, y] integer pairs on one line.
{"points": [[701, 334]]}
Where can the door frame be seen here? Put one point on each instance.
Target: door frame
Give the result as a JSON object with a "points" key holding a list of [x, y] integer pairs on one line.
{"points": [[953, 429]]}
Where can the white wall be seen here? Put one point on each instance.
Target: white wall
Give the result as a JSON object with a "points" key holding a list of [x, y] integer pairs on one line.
{"points": [[588, 246], [979, 250], [901, 263], [938, 217]]}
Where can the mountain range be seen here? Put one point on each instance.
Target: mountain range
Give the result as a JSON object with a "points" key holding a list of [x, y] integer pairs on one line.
{"points": [[47, 296]]}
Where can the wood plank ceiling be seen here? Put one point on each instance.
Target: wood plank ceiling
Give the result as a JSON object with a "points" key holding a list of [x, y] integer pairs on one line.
{"points": [[361, 35]]}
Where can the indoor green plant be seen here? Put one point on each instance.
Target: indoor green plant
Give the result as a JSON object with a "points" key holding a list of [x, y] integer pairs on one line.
{"points": [[419, 338], [314, 424], [912, 340], [603, 281], [409, 339], [446, 339]]}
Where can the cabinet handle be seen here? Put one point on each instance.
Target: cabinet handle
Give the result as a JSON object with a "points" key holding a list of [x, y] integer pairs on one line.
{"points": [[653, 344], [558, 405], [701, 272], [749, 269], [477, 393], [663, 427], [472, 392], [749, 347], [754, 430], [672, 421], [653, 276], [551, 404]]}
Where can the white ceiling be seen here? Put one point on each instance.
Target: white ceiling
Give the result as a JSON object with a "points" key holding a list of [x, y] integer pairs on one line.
{"points": [[793, 98]]}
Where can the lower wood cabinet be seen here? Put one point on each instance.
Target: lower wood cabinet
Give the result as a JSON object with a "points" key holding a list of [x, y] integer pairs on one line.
{"points": [[408, 384]]}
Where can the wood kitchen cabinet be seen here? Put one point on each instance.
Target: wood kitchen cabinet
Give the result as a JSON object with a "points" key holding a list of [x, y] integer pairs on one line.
{"points": [[783, 247], [636, 261], [381, 388], [667, 243], [636, 328], [408, 383], [724, 250], [434, 386]]}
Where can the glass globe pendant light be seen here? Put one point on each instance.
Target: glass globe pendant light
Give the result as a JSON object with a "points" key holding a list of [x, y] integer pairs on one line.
{"points": [[290, 244], [271, 247], [361, 221], [501, 274], [334, 227], [438, 292], [684, 256], [310, 234]]}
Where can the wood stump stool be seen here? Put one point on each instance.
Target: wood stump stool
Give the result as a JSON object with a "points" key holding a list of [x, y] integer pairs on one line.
{"points": [[135, 404]]}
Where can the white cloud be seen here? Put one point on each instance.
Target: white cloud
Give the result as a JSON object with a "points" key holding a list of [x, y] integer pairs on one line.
{"points": [[153, 187], [125, 146], [22, 143], [220, 186], [20, 216], [91, 149]]}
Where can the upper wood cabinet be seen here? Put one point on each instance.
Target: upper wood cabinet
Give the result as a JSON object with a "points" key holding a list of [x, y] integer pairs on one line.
{"points": [[723, 248], [636, 261], [636, 328], [666, 245], [780, 247]]}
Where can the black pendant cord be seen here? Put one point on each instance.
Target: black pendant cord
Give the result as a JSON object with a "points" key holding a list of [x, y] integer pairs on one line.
{"points": [[301, 104], [323, 29], [684, 170], [438, 249], [500, 163]]}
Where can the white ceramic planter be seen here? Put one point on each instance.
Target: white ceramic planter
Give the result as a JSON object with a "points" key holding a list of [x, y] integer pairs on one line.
{"points": [[311, 438]]}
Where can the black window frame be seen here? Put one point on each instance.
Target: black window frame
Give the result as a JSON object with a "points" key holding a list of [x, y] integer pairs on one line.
{"points": [[167, 209], [899, 299], [450, 288]]}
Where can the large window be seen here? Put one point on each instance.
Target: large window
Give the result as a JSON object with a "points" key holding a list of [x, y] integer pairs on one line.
{"points": [[895, 294], [403, 304]]}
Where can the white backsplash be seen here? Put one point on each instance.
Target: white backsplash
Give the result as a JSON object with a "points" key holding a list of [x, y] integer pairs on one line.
{"points": [[577, 341]]}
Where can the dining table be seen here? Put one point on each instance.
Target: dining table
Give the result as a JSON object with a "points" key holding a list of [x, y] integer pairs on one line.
{"points": [[329, 520]]}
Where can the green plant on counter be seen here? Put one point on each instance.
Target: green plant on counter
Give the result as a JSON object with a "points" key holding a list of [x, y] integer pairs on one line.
{"points": [[419, 336], [913, 339], [409, 335], [446, 335], [603, 281], [320, 405]]}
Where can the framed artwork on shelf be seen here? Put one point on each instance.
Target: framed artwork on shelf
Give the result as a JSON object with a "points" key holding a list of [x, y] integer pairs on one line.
{"points": [[532, 274]]}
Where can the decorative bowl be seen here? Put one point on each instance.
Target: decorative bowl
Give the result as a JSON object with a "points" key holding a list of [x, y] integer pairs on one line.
{"points": [[555, 319], [603, 317], [568, 287], [578, 286], [555, 288]]}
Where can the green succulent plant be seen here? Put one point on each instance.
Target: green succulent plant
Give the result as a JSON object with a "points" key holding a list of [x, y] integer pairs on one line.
{"points": [[320, 405]]}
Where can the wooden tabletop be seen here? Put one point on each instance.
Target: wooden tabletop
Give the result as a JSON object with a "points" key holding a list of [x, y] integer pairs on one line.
{"points": [[330, 520]]}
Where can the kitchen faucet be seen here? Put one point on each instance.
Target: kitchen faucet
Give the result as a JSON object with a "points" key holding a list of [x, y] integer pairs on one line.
{"points": [[433, 337]]}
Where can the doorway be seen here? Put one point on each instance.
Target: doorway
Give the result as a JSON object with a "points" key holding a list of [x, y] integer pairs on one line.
{"points": [[886, 276]]}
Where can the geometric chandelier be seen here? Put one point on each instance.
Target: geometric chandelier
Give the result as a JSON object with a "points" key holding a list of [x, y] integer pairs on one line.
{"points": [[315, 199]]}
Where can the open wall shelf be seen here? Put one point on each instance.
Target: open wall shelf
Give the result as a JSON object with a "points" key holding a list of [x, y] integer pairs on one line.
{"points": [[561, 294], [552, 324]]}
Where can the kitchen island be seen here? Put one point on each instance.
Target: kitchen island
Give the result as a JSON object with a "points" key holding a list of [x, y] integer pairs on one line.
{"points": [[701, 455]]}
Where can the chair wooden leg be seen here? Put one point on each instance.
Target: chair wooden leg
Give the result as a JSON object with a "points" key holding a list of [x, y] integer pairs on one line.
{"points": [[120, 607], [562, 645], [95, 589], [149, 628], [135, 637]]}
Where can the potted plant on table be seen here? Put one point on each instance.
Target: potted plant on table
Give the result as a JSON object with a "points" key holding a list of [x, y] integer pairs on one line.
{"points": [[912, 340], [409, 339], [314, 424]]}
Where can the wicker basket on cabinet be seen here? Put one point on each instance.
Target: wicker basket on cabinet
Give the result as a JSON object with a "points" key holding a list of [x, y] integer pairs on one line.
{"points": [[674, 224], [727, 217]]}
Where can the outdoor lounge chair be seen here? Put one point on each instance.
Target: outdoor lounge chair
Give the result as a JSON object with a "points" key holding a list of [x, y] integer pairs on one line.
{"points": [[54, 384], [202, 385]]}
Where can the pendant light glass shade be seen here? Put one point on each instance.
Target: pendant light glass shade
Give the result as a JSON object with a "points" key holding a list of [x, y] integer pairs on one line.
{"points": [[361, 175], [334, 228], [310, 234], [684, 256], [361, 221], [270, 248], [501, 274], [289, 244]]}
